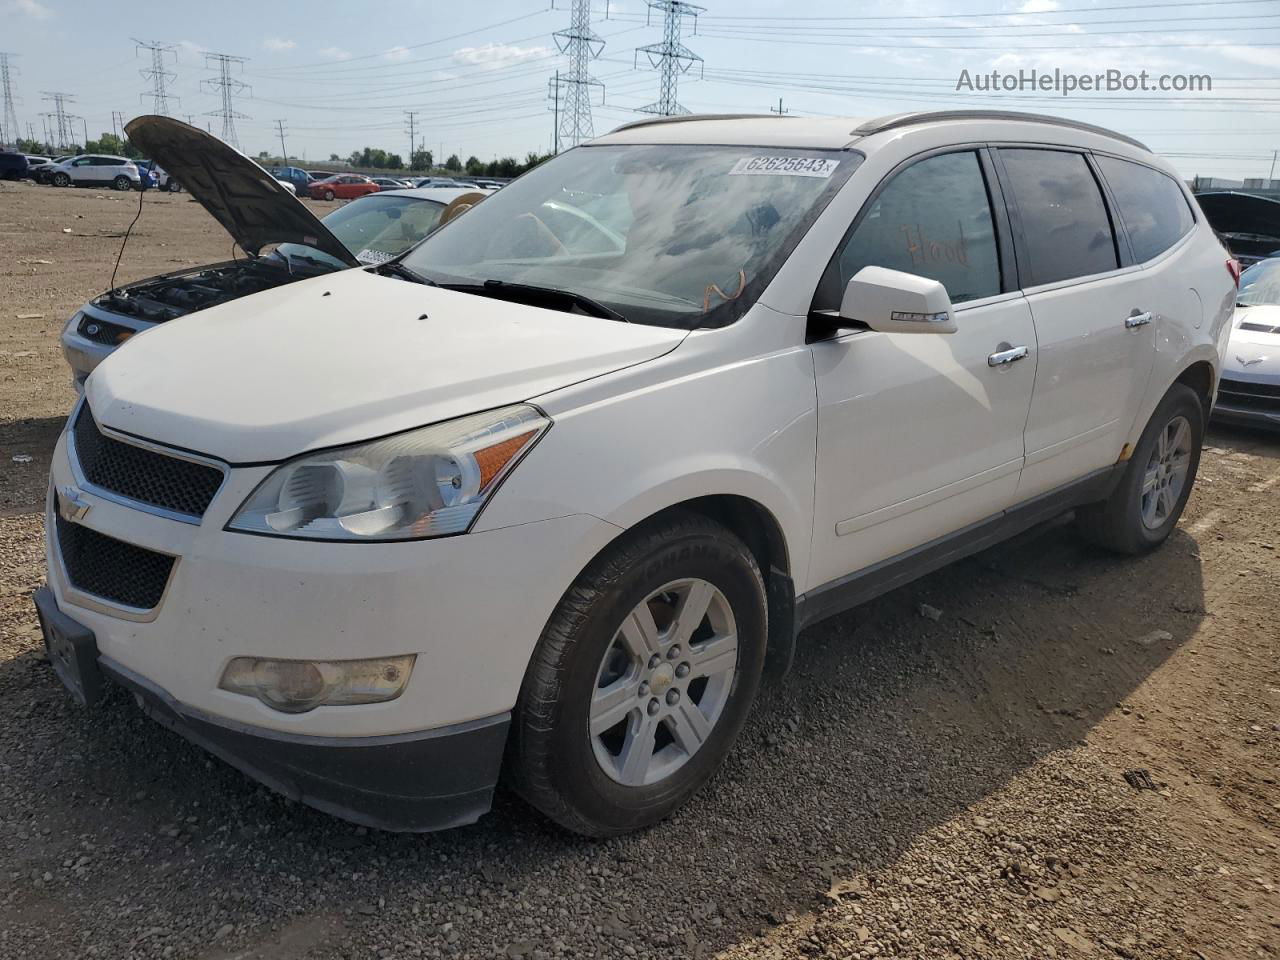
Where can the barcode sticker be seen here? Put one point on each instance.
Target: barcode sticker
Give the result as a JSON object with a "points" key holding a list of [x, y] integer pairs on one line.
{"points": [[821, 167]]}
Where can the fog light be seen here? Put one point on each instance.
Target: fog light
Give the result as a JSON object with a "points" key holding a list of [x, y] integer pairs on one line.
{"points": [[296, 686]]}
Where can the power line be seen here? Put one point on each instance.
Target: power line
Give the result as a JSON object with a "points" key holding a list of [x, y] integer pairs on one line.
{"points": [[61, 119], [157, 74], [670, 57], [572, 91], [1042, 13], [9, 130], [228, 87]]}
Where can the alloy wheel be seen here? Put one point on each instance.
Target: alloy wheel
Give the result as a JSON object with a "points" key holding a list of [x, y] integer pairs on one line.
{"points": [[1166, 473], [663, 682]]}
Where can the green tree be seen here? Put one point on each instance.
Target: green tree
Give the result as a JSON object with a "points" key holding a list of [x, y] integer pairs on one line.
{"points": [[333, 157], [453, 164], [421, 160], [394, 162], [475, 166]]}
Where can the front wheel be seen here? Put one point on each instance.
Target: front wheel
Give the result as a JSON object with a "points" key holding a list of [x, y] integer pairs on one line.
{"points": [[642, 679], [61, 180], [328, 194], [1145, 506], [174, 186], [123, 183]]}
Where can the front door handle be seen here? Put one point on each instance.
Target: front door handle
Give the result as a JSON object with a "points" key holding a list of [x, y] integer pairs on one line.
{"points": [[1137, 320], [1001, 357]]}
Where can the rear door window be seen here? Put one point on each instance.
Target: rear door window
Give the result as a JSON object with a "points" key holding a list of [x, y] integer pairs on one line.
{"points": [[1065, 226], [1152, 206], [933, 220]]}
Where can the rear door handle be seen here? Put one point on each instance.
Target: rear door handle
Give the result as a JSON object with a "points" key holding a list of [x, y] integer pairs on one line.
{"points": [[1137, 320], [1001, 357]]}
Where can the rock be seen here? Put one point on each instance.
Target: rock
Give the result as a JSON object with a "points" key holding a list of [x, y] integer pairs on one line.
{"points": [[930, 613], [367, 909], [1154, 637], [223, 931], [1073, 939], [521, 948]]}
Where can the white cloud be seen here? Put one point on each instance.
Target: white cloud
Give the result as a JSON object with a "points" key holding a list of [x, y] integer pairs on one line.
{"points": [[335, 53], [32, 8], [275, 43], [1256, 56], [493, 55], [191, 47], [1039, 6], [397, 53]]}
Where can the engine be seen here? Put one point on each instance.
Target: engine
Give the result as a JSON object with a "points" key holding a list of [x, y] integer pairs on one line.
{"points": [[167, 298]]}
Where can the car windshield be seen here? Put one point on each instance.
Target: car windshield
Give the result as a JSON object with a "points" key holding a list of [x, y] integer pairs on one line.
{"points": [[374, 228], [683, 236], [1260, 284]]}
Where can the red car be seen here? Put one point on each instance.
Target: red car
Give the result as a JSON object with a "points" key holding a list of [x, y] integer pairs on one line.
{"points": [[344, 186]]}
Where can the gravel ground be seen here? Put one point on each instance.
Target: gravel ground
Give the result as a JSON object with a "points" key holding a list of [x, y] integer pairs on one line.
{"points": [[918, 787]]}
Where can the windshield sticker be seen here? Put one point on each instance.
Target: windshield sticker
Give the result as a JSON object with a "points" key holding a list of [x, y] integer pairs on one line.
{"points": [[372, 256], [821, 167]]}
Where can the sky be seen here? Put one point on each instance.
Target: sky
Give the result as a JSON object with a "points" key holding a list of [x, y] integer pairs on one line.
{"points": [[341, 75]]}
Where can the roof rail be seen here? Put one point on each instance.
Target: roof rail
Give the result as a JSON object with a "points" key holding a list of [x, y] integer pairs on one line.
{"points": [[897, 120], [649, 121]]}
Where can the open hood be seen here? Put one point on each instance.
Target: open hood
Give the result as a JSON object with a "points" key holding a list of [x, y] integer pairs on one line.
{"points": [[1250, 224], [244, 198]]}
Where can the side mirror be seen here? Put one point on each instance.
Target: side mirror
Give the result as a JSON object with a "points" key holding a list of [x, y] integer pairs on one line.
{"points": [[895, 302]]}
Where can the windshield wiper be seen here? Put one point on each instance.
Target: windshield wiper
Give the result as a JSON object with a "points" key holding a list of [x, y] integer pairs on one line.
{"points": [[395, 268], [552, 297]]}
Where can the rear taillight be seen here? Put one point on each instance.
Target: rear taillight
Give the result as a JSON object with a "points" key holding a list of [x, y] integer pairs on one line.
{"points": [[1233, 268]]}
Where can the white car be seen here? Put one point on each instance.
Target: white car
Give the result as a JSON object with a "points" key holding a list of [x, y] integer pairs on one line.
{"points": [[546, 493], [1249, 394], [96, 170]]}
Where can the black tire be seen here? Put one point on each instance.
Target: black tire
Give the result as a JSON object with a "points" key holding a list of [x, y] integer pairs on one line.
{"points": [[61, 180], [122, 183], [328, 194], [550, 759], [1117, 523], [174, 187]]}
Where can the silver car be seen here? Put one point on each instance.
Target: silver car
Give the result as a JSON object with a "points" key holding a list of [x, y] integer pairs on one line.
{"points": [[259, 212], [1249, 392], [96, 170]]}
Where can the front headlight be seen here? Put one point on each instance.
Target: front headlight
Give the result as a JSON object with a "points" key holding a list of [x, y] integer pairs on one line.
{"points": [[427, 482], [296, 686]]}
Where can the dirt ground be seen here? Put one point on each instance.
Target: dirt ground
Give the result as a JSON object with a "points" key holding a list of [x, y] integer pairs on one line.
{"points": [[918, 787]]}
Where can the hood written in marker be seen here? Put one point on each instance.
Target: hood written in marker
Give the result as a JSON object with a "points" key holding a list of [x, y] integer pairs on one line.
{"points": [[239, 194], [345, 358]]}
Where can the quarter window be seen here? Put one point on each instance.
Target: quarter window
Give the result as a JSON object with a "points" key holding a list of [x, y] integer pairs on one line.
{"points": [[933, 220], [1064, 219], [1152, 206]]}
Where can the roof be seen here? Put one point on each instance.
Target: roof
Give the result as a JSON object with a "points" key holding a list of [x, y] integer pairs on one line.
{"points": [[772, 130]]}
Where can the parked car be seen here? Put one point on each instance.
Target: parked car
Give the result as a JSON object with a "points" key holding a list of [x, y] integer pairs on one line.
{"points": [[1249, 392], [288, 185], [96, 170], [13, 166], [438, 182], [34, 160], [389, 183], [232, 188], [344, 186], [318, 175], [300, 179], [547, 492], [1249, 225], [146, 174], [41, 172], [166, 182]]}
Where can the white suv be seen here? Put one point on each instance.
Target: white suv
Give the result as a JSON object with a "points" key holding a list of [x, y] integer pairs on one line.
{"points": [[548, 492], [96, 170]]}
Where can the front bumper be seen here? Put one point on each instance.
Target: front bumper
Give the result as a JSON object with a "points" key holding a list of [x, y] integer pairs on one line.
{"points": [[1248, 403], [403, 782]]}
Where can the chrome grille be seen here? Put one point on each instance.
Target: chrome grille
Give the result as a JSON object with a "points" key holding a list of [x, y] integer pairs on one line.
{"points": [[112, 569], [137, 473]]}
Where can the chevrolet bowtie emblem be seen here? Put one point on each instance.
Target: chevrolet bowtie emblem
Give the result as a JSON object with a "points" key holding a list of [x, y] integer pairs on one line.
{"points": [[72, 505], [1250, 362]]}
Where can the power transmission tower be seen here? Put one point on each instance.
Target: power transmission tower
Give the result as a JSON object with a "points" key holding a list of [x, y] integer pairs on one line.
{"points": [[61, 131], [410, 117], [670, 57], [229, 86], [571, 92], [778, 109], [284, 154], [158, 75], [117, 122], [9, 129]]}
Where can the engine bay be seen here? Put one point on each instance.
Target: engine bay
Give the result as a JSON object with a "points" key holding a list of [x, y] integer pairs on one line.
{"points": [[167, 298]]}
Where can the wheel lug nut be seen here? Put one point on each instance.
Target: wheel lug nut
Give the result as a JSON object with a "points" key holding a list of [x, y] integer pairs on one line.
{"points": [[674, 652], [682, 671], [654, 707], [654, 661], [673, 697]]}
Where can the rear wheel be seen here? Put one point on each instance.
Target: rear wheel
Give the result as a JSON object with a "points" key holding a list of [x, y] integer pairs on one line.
{"points": [[642, 679], [122, 182], [1146, 504], [61, 180]]}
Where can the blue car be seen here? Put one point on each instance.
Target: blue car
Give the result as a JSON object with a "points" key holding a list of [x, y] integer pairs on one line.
{"points": [[300, 179], [146, 174]]}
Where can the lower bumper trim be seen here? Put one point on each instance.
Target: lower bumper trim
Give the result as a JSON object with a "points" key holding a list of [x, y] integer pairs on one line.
{"points": [[414, 782]]}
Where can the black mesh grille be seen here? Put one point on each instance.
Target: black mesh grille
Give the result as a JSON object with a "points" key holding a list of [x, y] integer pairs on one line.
{"points": [[1255, 396], [101, 331], [111, 569], [141, 474]]}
